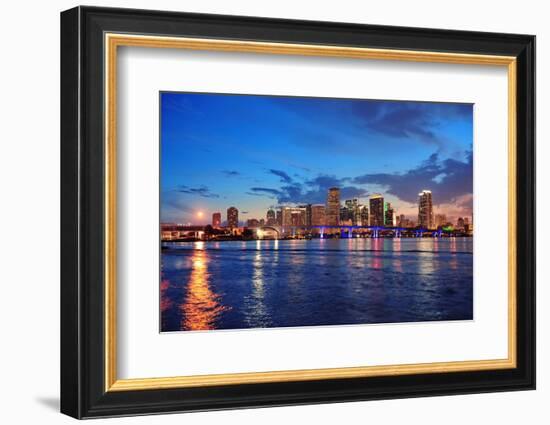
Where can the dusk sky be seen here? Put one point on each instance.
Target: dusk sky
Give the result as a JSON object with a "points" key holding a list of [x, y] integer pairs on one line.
{"points": [[254, 152]]}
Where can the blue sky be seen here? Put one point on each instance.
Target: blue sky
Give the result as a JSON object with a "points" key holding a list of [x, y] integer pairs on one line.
{"points": [[254, 152]]}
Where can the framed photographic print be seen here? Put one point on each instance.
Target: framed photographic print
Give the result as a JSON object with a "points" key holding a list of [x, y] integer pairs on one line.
{"points": [[261, 212]]}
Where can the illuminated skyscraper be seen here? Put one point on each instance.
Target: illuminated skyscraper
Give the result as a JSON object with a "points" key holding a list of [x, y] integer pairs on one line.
{"points": [[351, 213], [364, 215], [333, 207], [286, 216], [279, 216], [216, 219], [293, 216], [318, 215], [270, 216], [232, 217], [297, 217], [376, 210], [425, 209], [346, 216], [308, 214], [389, 215]]}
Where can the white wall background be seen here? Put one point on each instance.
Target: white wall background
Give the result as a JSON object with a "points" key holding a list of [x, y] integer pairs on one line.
{"points": [[29, 216]]}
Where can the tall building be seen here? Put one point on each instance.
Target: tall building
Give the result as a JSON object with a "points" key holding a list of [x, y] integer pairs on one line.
{"points": [[401, 222], [271, 220], [286, 216], [332, 211], [307, 217], [216, 219], [232, 217], [308, 214], [293, 216], [440, 220], [376, 210], [318, 215], [357, 220], [364, 211], [297, 217], [460, 223], [389, 215], [350, 213], [279, 217], [425, 209], [346, 215]]}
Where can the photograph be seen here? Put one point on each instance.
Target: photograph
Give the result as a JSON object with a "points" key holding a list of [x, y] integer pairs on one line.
{"points": [[283, 211]]}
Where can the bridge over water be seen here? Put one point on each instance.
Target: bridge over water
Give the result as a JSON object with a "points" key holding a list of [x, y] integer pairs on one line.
{"points": [[347, 230]]}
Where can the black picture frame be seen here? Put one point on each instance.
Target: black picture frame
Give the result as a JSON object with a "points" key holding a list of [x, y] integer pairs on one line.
{"points": [[83, 392]]}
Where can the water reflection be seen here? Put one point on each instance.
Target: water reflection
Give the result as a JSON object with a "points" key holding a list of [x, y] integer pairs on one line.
{"points": [[256, 309], [397, 262], [165, 301], [201, 308], [377, 257], [453, 263], [254, 284]]}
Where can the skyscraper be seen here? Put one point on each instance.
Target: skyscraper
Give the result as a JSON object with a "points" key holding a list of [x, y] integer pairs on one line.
{"points": [[389, 215], [351, 213], [232, 217], [308, 214], [376, 210], [364, 215], [318, 215], [402, 222], [286, 216], [270, 216], [425, 209], [279, 217], [345, 215], [297, 217], [216, 219], [333, 207]]}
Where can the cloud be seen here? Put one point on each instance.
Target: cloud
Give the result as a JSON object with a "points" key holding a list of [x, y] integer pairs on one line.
{"points": [[267, 192], [409, 119], [285, 178], [231, 173], [199, 191], [326, 181], [312, 191], [448, 180]]}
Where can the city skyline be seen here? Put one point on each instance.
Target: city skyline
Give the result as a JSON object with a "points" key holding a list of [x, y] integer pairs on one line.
{"points": [[260, 152], [377, 212]]}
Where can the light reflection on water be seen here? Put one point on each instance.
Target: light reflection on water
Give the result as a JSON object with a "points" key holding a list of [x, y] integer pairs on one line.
{"points": [[202, 307], [255, 284]]}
